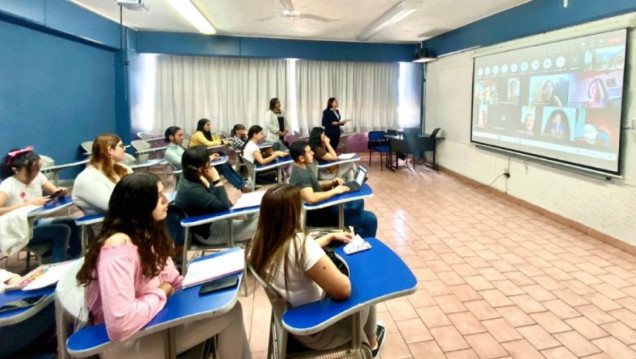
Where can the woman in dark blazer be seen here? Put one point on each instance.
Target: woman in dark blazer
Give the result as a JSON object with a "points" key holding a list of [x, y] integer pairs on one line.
{"points": [[332, 121]]}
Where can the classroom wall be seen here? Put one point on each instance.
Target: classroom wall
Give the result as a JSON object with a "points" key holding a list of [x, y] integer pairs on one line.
{"points": [[604, 206], [59, 81]]}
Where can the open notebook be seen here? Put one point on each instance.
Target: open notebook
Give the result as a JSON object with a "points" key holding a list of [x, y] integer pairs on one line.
{"points": [[42, 276], [213, 268]]}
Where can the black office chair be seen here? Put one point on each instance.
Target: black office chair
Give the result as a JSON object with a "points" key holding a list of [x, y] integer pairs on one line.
{"points": [[378, 143]]}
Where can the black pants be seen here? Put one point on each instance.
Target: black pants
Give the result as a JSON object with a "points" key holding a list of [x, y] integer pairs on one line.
{"points": [[334, 139]]}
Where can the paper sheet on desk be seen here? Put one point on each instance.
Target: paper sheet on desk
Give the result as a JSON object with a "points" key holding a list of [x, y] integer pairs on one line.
{"points": [[52, 274], [346, 156], [249, 200], [216, 267]]}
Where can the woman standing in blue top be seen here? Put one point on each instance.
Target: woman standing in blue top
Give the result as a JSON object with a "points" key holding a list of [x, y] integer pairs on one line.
{"points": [[331, 121]]}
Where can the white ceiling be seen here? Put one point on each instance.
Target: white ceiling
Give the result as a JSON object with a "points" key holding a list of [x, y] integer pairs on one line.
{"points": [[239, 17]]}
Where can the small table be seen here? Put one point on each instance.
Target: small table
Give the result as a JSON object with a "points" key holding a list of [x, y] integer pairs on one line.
{"points": [[183, 307], [364, 192], [149, 163], [355, 158], [376, 275], [51, 208], [277, 165]]}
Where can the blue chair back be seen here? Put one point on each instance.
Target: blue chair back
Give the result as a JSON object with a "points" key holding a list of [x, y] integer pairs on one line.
{"points": [[377, 135]]}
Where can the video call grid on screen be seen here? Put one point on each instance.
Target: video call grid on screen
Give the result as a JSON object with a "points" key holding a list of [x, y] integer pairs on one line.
{"points": [[560, 100]]}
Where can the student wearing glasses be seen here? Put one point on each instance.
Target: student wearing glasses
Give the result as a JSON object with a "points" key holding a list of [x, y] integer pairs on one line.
{"points": [[94, 185]]}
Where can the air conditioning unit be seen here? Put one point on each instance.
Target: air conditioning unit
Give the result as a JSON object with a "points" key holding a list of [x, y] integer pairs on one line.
{"points": [[133, 4]]}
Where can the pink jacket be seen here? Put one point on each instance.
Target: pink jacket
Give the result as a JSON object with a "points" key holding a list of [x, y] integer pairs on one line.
{"points": [[121, 296]]}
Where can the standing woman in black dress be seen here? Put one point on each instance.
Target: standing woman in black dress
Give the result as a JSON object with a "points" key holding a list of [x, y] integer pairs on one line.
{"points": [[332, 121]]}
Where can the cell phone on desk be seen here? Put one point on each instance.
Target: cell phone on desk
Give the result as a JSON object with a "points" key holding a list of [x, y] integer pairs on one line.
{"points": [[218, 284], [21, 303], [56, 196]]}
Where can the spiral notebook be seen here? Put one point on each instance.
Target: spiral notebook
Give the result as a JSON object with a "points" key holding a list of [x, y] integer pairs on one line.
{"points": [[215, 267]]}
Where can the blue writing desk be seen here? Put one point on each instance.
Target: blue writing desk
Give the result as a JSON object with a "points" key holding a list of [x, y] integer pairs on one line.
{"points": [[210, 218], [376, 275], [18, 315], [364, 192], [323, 165], [51, 208], [254, 168], [58, 168], [183, 307]]}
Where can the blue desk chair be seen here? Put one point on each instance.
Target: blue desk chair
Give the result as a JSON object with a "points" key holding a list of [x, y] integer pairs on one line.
{"points": [[378, 143], [282, 346]]}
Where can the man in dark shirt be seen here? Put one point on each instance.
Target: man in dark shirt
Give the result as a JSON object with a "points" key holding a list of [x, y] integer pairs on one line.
{"points": [[312, 191]]}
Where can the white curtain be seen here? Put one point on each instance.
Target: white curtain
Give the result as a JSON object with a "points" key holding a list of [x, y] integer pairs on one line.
{"points": [[230, 91], [367, 93], [225, 90]]}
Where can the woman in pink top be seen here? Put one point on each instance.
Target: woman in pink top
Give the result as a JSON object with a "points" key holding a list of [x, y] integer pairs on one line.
{"points": [[129, 276]]}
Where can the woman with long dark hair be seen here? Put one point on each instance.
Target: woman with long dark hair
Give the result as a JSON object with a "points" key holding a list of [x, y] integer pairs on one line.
{"points": [[203, 135], [22, 185], [331, 121], [324, 153], [300, 272], [129, 276], [277, 125]]}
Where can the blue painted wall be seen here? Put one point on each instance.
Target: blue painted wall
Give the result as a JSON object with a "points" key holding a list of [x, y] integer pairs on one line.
{"points": [[528, 19], [201, 45]]}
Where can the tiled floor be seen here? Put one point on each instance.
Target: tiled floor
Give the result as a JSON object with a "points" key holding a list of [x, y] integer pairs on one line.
{"points": [[496, 280]]}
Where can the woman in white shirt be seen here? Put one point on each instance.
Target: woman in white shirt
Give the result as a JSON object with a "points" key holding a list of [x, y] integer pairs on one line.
{"points": [[300, 272], [252, 153], [277, 125], [23, 185], [94, 185]]}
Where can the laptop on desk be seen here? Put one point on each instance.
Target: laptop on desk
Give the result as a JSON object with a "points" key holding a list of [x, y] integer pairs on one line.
{"points": [[358, 179]]}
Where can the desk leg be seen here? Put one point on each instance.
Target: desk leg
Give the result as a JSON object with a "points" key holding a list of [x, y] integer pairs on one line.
{"points": [[303, 219], [230, 232], [356, 333], [184, 256], [84, 238], [279, 173], [341, 221], [171, 344]]}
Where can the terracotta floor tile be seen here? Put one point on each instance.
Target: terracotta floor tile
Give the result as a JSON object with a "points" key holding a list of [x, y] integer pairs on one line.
{"points": [[571, 298], [448, 338], [595, 314], [451, 278], [538, 292], [401, 309], [501, 330], [587, 278], [508, 288], [482, 310], [465, 292], [424, 274], [550, 322], [626, 316], [515, 316], [421, 298], [603, 302], [424, 350], [395, 347], [577, 344], [627, 302], [521, 349], [391, 327], [433, 316], [538, 337], [485, 346], [614, 348], [462, 354], [466, 323], [434, 287], [478, 282], [464, 269], [495, 298], [614, 281], [548, 283], [528, 304], [413, 330], [621, 331], [586, 328], [450, 304], [558, 353], [561, 309]]}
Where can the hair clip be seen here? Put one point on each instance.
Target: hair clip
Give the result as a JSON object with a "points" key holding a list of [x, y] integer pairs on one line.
{"points": [[15, 153]]}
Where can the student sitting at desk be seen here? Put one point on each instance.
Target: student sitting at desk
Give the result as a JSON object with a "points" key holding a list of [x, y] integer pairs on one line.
{"points": [[129, 277], [201, 192], [22, 185], [253, 154], [203, 135], [96, 182], [238, 138], [313, 191], [175, 149], [29, 337], [324, 153], [300, 272]]}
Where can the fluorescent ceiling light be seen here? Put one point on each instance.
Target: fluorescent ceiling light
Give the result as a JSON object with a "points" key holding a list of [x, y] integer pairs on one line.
{"points": [[190, 12], [394, 15], [424, 59]]}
